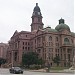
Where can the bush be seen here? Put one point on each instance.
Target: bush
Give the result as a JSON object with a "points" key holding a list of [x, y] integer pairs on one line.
{"points": [[35, 67]]}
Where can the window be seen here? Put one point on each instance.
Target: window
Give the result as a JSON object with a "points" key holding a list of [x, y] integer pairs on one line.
{"points": [[39, 50], [64, 56], [23, 43], [35, 41], [56, 38], [55, 50], [23, 47], [56, 54], [72, 40], [50, 38], [58, 50], [68, 50], [49, 43], [50, 50], [32, 19], [69, 57], [66, 41], [57, 44], [39, 39], [15, 56], [26, 43], [38, 19], [26, 35], [26, 48], [61, 56]]}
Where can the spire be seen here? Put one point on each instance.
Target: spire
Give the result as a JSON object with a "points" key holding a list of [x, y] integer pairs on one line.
{"points": [[36, 4], [36, 19], [36, 10]]}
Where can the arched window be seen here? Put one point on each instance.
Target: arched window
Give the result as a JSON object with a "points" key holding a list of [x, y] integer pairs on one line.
{"points": [[66, 41], [50, 38]]}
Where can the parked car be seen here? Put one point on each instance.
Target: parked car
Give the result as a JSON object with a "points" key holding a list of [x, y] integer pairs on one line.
{"points": [[16, 70]]}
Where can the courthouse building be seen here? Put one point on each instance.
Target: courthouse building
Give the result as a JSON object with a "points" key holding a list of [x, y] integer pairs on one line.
{"points": [[47, 42], [3, 50]]}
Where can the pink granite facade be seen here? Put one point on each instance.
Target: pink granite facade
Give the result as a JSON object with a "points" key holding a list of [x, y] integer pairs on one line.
{"points": [[3, 50], [47, 42]]}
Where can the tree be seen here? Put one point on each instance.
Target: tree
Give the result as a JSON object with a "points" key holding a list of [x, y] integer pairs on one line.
{"points": [[2, 61], [56, 60], [40, 61], [31, 58]]}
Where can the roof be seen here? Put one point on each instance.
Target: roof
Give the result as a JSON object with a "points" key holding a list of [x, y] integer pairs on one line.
{"points": [[36, 8], [73, 34], [37, 11], [49, 29], [62, 26]]}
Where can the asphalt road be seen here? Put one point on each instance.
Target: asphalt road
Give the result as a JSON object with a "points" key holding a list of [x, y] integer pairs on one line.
{"points": [[6, 72]]}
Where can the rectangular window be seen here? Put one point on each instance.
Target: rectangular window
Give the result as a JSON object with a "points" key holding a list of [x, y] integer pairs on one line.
{"points": [[23, 48], [61, 56], [38, 19], [26, 43], [23, 43]]}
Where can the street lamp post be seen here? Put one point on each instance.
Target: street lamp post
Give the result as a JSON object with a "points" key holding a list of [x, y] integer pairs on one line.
{"points": [[67, 62], [48, 65]]}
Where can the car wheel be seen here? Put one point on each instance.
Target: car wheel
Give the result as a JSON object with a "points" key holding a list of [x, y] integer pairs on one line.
{"points": [[14, 72], [10, 71], [22, 73]]}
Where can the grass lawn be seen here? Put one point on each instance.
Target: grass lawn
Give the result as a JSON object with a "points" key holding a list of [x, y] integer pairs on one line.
{"points": [[58, 68]]}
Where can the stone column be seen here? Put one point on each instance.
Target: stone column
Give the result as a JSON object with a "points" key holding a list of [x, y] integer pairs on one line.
{"points": [[66, 57]]}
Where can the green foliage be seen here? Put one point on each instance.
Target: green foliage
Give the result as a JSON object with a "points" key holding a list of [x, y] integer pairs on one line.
{"points": [[35, 67], [31, 58], [56, 60], [2, 61]]}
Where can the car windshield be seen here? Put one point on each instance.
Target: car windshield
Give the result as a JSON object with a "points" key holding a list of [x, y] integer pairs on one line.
{"points": [[17, 68]]}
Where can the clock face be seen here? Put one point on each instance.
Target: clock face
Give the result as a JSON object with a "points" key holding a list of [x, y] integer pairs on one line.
{"points": [[38, 13]]}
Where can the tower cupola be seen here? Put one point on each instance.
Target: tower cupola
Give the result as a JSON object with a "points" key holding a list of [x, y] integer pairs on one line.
{"points": [[36, 10], [61, 21], [36, 19], [61, 26]]}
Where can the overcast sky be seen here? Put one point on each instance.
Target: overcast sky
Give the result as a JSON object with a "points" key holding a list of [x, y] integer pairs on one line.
{"points": [[16, 15]]}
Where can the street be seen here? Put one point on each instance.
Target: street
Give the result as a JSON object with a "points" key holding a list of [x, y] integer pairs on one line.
{"points": [[6, 71]]}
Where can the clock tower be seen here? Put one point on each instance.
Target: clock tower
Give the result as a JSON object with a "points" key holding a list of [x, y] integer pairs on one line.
{"points": [[36, 19]]}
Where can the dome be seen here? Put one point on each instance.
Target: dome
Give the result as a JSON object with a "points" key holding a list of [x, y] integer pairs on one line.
{"points": [[36, 8], [62, 26]]}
